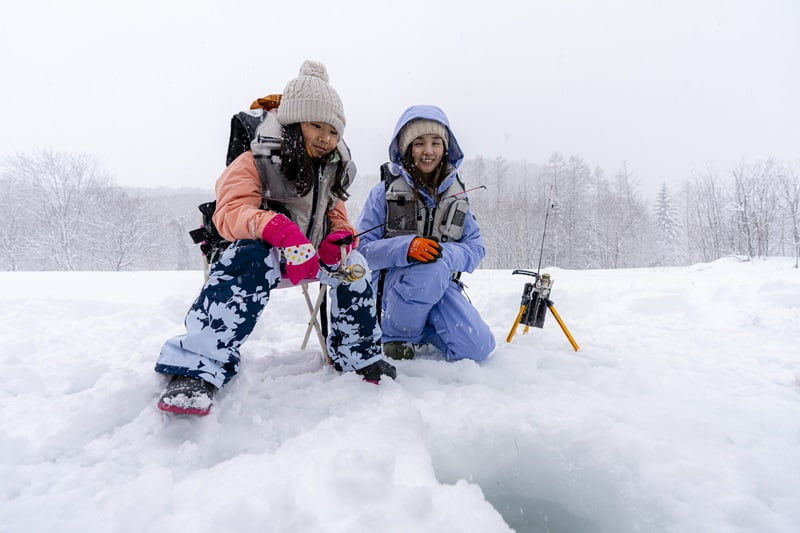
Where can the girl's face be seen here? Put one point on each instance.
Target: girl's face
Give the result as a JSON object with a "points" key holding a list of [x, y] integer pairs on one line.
{"points": [[320, 138], [427, 152]]}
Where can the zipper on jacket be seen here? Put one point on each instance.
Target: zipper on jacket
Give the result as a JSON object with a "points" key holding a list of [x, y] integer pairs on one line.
{"points": [[428, 226], [431, 215], [314, 200]]}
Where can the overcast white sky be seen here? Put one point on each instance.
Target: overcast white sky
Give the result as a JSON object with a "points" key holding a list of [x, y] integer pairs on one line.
{"points": [[149, 87]]}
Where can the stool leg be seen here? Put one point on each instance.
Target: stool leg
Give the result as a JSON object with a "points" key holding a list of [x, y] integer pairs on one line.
{"points": [[313, 310]]}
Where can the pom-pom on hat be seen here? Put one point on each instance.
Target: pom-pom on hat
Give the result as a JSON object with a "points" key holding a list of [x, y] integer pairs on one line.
{"points": [[309, 98], [417, 128]]}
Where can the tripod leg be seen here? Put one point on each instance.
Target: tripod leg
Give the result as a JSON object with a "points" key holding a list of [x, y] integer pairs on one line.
{"points": [[516, 323], [563, 327]]}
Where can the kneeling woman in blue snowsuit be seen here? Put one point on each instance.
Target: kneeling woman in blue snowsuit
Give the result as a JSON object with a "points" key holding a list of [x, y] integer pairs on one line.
{"points": [[296, 164], [420, 232]]}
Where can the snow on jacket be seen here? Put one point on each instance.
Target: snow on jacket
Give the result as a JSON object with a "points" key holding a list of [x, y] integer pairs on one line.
{"points": [[240, 212], [462, 255]]}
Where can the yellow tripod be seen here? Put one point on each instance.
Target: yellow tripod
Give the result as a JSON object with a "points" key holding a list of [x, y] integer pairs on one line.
{"points": [[535, 303]]}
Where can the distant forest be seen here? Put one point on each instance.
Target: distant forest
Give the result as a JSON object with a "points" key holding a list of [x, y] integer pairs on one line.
{"points": [[62, 211]]}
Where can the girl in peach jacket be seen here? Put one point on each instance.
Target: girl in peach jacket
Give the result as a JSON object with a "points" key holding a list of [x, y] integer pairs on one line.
{"points": [[282, 206]]}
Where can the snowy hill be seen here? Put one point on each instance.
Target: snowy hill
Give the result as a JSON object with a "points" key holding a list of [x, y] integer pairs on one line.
{"points": [[681, 413]]}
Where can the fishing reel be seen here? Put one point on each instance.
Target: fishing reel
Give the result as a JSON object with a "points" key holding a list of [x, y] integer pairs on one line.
{"points": [[535, 298], [344, 272], [349, 273], [535, 304]]}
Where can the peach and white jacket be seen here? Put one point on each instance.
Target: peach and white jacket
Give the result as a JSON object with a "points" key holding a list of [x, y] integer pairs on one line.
{"points": [[242, 197]]}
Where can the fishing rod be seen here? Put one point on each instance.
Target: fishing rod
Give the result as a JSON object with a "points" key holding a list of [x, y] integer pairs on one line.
{"points": [[536, 296], [544, 230]]}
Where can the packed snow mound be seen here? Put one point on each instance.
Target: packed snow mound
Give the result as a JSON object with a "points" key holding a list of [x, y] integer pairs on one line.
{"points": [[681, 412]]}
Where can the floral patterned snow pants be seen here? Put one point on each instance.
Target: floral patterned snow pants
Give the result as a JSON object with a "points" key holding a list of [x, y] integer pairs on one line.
{"points": [[232, 299]]}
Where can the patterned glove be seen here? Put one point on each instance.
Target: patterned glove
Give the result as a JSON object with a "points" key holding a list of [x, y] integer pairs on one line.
{"points": [[329, 250], [424, 250], [301, 258]]}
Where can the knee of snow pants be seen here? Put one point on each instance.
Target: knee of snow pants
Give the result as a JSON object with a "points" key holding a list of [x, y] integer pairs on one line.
{"points": [[422, 304], [224, 314], [458, 329], [409, 295]]}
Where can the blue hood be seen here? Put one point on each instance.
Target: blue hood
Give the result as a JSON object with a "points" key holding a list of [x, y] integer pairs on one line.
{"points": [[430, 112]]}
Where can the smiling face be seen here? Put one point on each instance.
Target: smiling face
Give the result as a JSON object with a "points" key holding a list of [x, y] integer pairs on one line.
{"points": [[320, 138], [427, 152]]}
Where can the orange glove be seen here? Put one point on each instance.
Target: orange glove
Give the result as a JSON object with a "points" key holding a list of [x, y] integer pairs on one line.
{"points": [[424, 250]]}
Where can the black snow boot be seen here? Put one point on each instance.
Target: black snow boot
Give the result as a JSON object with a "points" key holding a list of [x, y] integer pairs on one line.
{"points": [[187, 396], [373, 372], [398, 350]]}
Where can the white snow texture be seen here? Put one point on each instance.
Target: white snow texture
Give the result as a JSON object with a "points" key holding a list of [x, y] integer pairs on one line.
{"points": [[680, 413]]}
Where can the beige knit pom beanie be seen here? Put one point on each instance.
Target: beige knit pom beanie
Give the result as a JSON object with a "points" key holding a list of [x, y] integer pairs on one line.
{"points": [[309, 98]]}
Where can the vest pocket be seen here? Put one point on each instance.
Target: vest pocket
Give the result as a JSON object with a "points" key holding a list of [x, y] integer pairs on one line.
{"points": [[401, 213], [452, 224]]}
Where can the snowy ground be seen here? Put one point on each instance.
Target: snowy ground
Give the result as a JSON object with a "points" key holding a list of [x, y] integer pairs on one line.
{"points": [[681, 413]]}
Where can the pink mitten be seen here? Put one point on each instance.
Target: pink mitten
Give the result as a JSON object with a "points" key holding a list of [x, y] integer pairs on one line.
{"points": [[329, 248], [301, 258]]}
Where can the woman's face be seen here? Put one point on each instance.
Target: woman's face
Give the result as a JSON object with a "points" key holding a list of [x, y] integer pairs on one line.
{"points": [[427, 152], [320, 138]]}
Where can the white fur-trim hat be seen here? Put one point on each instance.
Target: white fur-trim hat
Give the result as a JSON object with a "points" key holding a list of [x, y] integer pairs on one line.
{"points": [[417, 128], [310, 98]]}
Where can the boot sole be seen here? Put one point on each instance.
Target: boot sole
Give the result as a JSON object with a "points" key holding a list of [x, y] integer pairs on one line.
{"points": [[183, 410]]}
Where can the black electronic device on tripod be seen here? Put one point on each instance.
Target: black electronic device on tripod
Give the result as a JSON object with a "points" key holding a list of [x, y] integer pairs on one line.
{"points": [[534, 305]]}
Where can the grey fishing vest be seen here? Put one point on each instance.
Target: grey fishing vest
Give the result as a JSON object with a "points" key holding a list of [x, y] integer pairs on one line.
{"points": [[280, 194], [404, 216]]}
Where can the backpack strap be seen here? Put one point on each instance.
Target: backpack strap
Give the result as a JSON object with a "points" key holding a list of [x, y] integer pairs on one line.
{"points": [[211, 242], [387, 176]]}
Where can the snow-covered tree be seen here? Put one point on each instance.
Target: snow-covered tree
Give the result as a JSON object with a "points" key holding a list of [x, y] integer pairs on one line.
{"points": [[753, 206], [75, 218], [119, 233], [705, 218], [577, 196], [14, 224], [790, 197], [53, 187], [666, 229]]}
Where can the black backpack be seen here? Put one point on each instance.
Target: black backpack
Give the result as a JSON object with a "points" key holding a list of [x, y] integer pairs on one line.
{"points": [[243, 130]]}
